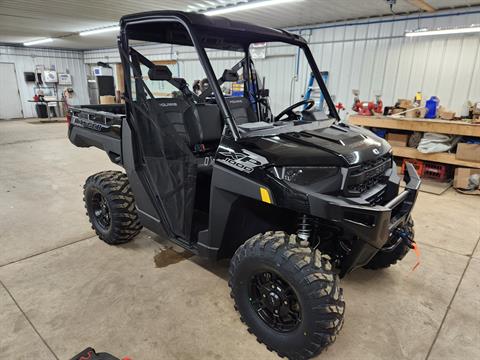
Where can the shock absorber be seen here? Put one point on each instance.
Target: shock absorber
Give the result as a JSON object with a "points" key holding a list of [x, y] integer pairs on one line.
{"points": [[304, 227]]}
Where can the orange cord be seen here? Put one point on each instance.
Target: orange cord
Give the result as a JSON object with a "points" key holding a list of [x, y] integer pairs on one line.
{"points": [[417, 253]]}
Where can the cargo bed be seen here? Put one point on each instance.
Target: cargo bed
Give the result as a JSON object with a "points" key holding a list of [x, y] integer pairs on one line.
{"points": [[99, 126]]}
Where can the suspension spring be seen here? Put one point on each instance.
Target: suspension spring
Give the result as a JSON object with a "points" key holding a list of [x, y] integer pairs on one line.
{"points": [[304, 227]]}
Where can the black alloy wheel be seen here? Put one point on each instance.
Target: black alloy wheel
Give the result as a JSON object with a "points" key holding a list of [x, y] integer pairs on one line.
{"points": [[287, 294], [111, 207], [101, 211], [275, 301]]}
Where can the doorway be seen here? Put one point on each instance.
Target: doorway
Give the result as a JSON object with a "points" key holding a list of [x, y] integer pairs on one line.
{"points": [[10, 104]]}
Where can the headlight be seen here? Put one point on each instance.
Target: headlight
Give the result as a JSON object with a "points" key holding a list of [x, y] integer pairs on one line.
{"points": [[303, 175]]}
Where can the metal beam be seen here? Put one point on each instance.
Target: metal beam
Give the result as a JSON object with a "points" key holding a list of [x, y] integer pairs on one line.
{"points": [[422, 4]]}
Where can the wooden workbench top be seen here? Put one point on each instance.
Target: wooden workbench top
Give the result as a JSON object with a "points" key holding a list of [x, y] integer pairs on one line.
{"points": [[417, 124]]}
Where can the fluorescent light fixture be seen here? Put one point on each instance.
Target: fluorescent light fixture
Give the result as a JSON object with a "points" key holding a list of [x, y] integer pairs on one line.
{"points": [[247, 6], [210, 3], [36, 42], [192, 7], [100, 31], [425, 32]]}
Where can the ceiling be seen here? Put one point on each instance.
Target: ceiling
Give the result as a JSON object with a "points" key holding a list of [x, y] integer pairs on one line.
{"points": [[26, 20]]}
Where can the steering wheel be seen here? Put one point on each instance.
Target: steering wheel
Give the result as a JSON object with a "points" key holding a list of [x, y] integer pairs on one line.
{"points": [[289, 110]]}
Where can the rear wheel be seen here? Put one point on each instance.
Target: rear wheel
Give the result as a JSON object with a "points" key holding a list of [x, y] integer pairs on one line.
{"points": [[287, 294], [396, 248], [111, 207]]}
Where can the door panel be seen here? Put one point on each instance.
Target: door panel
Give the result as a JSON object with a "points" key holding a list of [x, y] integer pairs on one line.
{"points": [[10, 105]]}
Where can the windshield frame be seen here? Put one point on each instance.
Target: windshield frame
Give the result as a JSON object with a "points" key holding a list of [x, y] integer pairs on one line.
{"points": [[194, 34]]}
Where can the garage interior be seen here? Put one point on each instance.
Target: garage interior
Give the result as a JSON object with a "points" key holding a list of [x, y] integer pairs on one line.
{"points": [[409, 70]]}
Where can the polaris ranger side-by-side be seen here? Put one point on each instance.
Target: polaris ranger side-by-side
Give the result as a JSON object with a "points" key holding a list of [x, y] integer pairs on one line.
{"points": [[297, 200]]}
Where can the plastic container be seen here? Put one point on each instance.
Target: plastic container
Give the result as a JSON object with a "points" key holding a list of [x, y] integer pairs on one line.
{"points": [[432, 106], [435, 171], [417, 164], [42, 111]]}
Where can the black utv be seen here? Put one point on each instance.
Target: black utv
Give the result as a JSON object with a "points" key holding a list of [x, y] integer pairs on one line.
{"points": [[297, 200]]}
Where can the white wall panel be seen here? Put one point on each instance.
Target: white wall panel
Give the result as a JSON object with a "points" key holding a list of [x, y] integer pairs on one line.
{"points": [[278, 72], [26, 59], [372, 56]]}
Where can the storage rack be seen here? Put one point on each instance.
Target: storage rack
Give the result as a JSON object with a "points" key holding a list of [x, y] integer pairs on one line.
{"points": [[422, 125]]}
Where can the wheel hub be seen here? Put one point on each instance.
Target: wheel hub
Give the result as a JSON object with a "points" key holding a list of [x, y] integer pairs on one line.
{"points": [[275, 302], [101, 210]]}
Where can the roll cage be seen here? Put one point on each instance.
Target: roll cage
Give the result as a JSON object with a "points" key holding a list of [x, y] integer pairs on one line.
{"points": [[201, 32]]}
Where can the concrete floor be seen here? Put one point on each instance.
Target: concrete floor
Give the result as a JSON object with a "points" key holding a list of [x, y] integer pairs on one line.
{"points": [[62, 289]]}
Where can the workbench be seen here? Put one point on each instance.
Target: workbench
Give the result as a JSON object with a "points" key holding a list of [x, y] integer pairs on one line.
{"points": [[422, 125]]}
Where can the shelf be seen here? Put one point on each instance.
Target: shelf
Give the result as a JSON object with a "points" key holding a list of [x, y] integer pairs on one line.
{"points": [[422, 125], [416, 124], [444, 158]]}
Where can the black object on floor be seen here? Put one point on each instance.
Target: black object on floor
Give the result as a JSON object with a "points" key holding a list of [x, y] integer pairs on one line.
{"points": [[90, 354]]}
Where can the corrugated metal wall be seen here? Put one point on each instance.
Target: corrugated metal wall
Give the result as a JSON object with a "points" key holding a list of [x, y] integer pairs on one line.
{"points": [[26, 59], [375, 58], [372, 56]]}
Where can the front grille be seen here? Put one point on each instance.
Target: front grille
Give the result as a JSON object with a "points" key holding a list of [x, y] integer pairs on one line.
{"points": [[365, 176]]}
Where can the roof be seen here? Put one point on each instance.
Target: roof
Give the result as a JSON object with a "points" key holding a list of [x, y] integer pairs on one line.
{"points": [[213, 31]]}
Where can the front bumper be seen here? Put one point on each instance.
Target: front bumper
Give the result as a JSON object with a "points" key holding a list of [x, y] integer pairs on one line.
{"points": [[371, 225]]}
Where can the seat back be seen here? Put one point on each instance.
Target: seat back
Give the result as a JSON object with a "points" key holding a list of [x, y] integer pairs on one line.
{"points": [[241, 110], [196, 124], [179, 112], [210, 122]]}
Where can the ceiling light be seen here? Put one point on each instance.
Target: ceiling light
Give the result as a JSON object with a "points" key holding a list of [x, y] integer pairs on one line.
{"points": [[100, 31], [425, 32], [210, 3], [192, 7], [36, 42], [247, 6]]}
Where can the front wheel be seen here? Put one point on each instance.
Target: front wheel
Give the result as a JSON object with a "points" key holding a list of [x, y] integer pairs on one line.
{"points": [[287, 294]]}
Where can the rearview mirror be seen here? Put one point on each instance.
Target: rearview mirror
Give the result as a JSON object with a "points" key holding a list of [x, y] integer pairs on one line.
{"points": [[230, 76]]}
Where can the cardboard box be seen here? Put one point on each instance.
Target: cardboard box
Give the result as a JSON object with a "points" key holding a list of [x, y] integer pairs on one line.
{"points": [[107, 99], [468, 152], [460, 181], [447, 115], [405, 103], [411, 112], [396, 139]]}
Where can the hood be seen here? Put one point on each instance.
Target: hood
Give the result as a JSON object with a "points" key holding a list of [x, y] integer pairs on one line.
{"points": [[333, 146]]}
